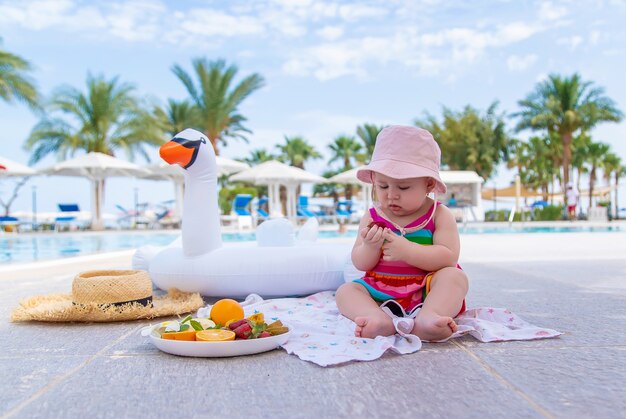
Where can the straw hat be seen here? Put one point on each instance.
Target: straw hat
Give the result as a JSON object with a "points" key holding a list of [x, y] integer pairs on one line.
{"points": [[106, 296]]}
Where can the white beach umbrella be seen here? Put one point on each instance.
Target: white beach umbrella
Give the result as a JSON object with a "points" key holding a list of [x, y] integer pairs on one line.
{"points": [[273, 174], [11, 168], [228, 166], [349, 178], [95, 167]]}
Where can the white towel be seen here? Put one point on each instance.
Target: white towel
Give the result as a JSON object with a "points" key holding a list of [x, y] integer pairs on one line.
{"points": [[320, 334]]}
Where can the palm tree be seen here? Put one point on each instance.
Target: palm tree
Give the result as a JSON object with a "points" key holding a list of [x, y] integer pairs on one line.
{"points": [[612, 165], [595, 155], [15, 84], [536, 168], [107, 119], [260, 155], [176, 117], [565, 105], [580, 144], [619, 173], [368, 134], [346, 149], [296, 151], [217, 100]]}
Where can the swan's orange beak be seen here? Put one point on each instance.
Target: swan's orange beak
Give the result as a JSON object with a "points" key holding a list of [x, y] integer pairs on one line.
{"points": [[175, 153], [183, 148]]}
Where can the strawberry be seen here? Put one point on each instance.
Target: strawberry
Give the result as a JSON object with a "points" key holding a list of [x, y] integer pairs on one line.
{"points": [[377, 223], [265, 334], [244, 331], [238, 323]]}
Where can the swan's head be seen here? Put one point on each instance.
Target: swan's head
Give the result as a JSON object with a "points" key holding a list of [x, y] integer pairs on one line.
{"points": [[183, 148]]}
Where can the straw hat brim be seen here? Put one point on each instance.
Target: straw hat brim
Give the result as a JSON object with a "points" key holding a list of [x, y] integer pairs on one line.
{"points": [[60, 308]]}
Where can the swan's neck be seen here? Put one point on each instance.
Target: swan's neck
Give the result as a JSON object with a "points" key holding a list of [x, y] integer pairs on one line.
{"points": [[201, 219]]}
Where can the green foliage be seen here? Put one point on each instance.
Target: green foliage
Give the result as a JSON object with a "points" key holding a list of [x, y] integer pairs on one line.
{"points": [[296, 151], [226, 196], [548, 213], [501, 215], [566, 106], [345, 149], [177, 116], [327, 189], [15, 83], [107, 118], [367, 133], [535, 161], [260, 155], [470, 140], [217, 98]]}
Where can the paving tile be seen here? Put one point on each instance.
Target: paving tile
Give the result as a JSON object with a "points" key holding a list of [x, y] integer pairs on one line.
{"points": [[39, 338], [568, 382], [586, 317], [274, 384], [24, 377]]}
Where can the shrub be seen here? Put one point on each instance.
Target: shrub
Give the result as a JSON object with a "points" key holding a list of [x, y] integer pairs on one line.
{"points": [[501, 215], [549, 213]]}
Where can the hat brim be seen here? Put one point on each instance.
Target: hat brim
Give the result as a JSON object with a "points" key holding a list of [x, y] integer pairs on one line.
{"points": [[399, 170], [60, 308]]}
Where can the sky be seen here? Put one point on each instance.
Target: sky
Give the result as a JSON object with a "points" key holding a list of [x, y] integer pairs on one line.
{"points": [[328, 66]]}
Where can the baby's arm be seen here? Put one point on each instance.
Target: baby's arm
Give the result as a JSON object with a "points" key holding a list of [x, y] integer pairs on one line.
{"points": [[444, 251], [367, 248]]}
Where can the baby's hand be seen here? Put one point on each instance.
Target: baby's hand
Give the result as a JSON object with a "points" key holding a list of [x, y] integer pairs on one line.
{"points": [[372, 235], [395, 247]]}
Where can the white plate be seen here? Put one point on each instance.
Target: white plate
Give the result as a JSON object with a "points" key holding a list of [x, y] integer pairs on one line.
{"points": [[219, 349]]}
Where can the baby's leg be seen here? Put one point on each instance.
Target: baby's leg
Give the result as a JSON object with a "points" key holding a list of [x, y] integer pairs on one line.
{"points": [[357, 304], [448, 288]]}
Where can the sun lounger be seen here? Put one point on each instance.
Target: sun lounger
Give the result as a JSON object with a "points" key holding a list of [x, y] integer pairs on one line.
{"points": [[241, 209], [302, 209], [260, 208], [69, 219], [9, 224]]}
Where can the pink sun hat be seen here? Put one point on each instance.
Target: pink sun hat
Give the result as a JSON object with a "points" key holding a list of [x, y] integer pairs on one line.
{"points": [[404, 152]]}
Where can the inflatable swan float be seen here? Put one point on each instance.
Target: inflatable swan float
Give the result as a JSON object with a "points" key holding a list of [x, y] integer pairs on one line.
{"points": [[277, 265]]}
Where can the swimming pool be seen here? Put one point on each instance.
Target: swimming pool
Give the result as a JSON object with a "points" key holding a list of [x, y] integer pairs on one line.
{"points": [[21, 248]]}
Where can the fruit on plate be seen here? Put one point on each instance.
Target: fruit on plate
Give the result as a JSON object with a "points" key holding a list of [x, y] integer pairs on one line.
{"points": [[276, 328], [215, 335], [257, 318], [202, 329], [205, 323], [189, 334], [244, 331], [225, 310]]}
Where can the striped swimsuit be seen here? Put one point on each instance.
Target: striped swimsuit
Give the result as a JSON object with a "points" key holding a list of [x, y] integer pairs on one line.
{"points": [[397, 280]]}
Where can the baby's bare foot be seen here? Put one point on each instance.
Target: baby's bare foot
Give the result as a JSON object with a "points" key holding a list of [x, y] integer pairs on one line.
{"points": [[432, 327], [372, 326]]}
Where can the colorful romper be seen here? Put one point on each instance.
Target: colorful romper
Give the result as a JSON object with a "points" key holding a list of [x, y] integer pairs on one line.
{"points": [[397, 280]]}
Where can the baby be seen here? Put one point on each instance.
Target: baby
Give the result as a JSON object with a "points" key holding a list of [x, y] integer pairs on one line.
{"points": [[408, 243]]}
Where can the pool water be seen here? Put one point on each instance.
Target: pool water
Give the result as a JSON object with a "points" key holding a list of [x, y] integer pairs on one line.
{"points": [[35, 247]]}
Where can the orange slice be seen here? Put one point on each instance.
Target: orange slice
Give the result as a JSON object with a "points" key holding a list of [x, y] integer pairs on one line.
{"points": [[215, 335], [188, 334]]}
